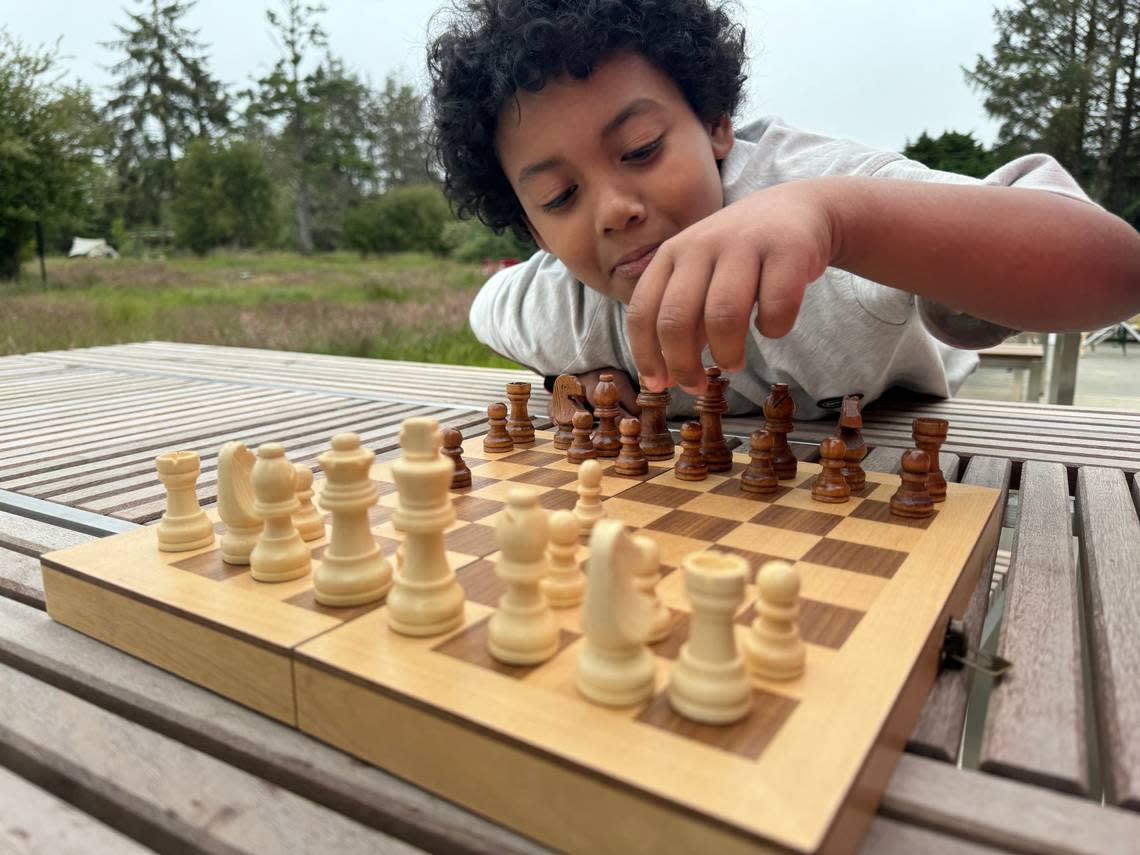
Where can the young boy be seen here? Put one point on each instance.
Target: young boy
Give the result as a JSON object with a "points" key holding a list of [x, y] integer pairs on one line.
{"points": [[603, 129]]}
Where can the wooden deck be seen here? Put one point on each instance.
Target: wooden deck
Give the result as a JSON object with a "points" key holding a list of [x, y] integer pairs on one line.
{"points": [[78, 434]]}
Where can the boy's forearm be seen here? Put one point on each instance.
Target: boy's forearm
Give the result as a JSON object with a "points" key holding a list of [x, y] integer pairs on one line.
{"points": [[1023, 258]]}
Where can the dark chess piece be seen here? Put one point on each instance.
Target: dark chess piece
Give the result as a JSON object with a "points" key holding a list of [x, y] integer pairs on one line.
{"points": [[581, 448], [830, 485], [759, 477], [711, 406], [631, 460], [851, 432], [519, 426], [779, 407], [656, 441], [690, 466], [912, 498], [567, 387], [497, 440], [606, 440], [929, 434], [453, 448]]}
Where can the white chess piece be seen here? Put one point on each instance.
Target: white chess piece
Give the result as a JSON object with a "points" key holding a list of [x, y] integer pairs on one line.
{"points": [[426, 598], [280, 554], [565, 585], [236, 503], [710, 682], [588, 509], [308, 519], [647, 573], [185, 525], [615, 667], [352, 571], [522, 631], [774, 648]]}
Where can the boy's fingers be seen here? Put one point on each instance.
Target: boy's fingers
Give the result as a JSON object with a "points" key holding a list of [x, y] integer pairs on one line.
{"points": [[641, 321], [728, 308], [679, 324], [781, 293]]}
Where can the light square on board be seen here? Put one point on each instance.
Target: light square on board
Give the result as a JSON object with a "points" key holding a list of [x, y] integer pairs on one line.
{"points": [[897, 537], [789, 545], [723, 506]]}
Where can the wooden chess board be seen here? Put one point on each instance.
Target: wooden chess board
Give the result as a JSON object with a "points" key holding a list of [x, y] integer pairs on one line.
{"points": [[803, 772]]}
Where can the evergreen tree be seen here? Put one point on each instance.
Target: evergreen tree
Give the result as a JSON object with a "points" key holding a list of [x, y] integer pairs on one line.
{"points": [[1065, 78], [164, 98], [399, 140]]}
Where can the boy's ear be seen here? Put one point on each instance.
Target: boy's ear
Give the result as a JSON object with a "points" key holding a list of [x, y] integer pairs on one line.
{"points": [[720, 135], [535, 234]]}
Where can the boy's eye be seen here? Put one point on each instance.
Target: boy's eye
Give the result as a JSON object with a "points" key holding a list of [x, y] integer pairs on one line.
{"points": [[644, 152], [561, 199]]}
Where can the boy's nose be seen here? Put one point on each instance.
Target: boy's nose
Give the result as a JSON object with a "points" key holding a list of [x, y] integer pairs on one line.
{"points": [[619, 209]]}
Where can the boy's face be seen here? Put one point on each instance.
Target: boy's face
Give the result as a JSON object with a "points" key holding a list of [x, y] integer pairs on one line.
{"points": [[609, 167]]}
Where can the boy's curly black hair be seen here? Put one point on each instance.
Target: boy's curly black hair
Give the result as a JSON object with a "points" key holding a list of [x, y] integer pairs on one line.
{"points": [[492, 48]]}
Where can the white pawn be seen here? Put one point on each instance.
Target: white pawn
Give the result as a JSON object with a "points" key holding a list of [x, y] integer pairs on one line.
{"points": [[615, 667], [710, 682], [522, 631], [774, 648], [647, 573], [588, 509], [308, 519], [280, 553], [185, 525], [565, 585], [352, 571], [236, 503], [426, 598]]}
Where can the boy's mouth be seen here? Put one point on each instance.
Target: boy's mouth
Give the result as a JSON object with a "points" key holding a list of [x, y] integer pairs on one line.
{"points": [[633, 264]]}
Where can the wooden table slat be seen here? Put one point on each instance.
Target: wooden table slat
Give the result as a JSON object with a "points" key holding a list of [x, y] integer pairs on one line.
{"points": [[179, 798], [1035, 728], [891, 837], [20, 578], [1110, 537], [1004, 813], [34, 821], [938, 733]]}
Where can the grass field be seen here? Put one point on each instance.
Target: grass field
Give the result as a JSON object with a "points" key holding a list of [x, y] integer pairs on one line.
{"points": [[411, 307]]}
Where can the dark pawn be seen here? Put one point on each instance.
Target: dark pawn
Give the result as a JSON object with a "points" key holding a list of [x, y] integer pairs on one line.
{"points": [[830, 485], [711, 406], [690, 465], [851, 432], [581, 448], [656, 441], [913, 499], [760, 477], [631, 461], [606, 440], [453, 448], [929, 434], [779, 407], [497, 439], [519, 426]]}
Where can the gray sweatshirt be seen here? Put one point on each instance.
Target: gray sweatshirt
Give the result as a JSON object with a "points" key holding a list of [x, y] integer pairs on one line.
{"points": [[852, 335]]}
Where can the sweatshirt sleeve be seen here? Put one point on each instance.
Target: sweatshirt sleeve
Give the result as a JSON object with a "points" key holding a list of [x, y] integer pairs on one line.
{"points": [[537, 314], [1034, 171]]}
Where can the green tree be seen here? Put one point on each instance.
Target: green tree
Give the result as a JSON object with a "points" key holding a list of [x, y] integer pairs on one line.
{"points": [[1065, 78], [398, 141], [44, 149], [224, 196], [164, 98], [952, 152]]}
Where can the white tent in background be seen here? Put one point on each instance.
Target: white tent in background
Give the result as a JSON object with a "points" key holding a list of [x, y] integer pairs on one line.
{"points": [[91, 248]]}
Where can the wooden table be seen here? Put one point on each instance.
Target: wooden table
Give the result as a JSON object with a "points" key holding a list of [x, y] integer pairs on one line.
{"points": [[101, 752]]}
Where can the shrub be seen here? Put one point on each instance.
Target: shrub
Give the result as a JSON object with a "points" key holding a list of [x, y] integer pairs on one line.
{"points": [[470, 240], [405, 219]]}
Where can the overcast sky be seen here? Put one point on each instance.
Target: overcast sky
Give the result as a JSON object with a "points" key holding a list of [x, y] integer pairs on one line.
{"points": [[880, 72]]}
